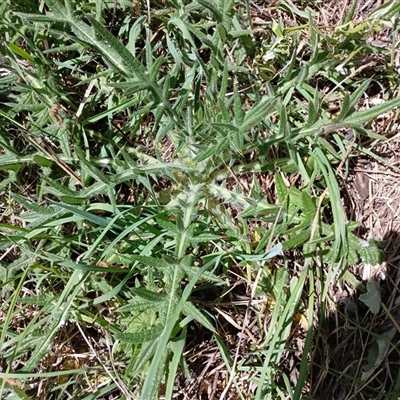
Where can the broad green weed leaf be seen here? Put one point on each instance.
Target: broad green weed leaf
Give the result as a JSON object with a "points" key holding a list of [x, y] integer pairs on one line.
{"points": [[223, 84], [370, 253], [148, 294], [224, 127], [185, 29], [355, 120], [281, 188], [176, 56], [213, 150], [309, 207], [211, 6], [367, 115], [130, 86], [303, 75], [358, 93], [111, 48], [257, 113], [271, 253], [224, 114], [150, 386], [377, 353], [313, 110], [121, 107], [86, 33], [91, 170], [345, 108], [38, 209], [352, 256], [373, 296], [101, 221], [144, 335], [238, 107], [110, 292], [122, 55], [145, 354], [386, 10], [297, 240], [151, 261], [262, 208], [58, 316], [191, 271], [57, 189], [140, 305], [226, 10], [49, 17], [86, 267], [189, 309]]}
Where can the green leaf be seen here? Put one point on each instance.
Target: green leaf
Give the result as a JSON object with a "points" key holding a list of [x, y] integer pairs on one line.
{"points": [[213, 150], [191, 271], [360, 117], [355, 120], [204, 238], [309, 207], [59, 315], [190, 310], [373, 296], [147, 350], [262, 208], [144, 335], [151, 385], [297, 240], [210, 6], [17, 50], [359, 92], [345, 108], [271, 253], [123, 56], [86, 267], [138, 305], [377, 353], [238, 108], [130, 86], [226, 9], [313, 110], [151, 261], [370, 253], [257, 113], [281, 188], [86, 33], [177, 348], [101, 221], [339, 248], [148, 295], [386, 10]]}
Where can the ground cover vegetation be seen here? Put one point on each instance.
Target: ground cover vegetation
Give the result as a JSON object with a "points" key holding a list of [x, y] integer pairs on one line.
{"points": [[186, 199]]}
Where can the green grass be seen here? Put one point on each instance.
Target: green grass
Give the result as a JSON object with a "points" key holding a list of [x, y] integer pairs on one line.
{"points": [[167, 172]]}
